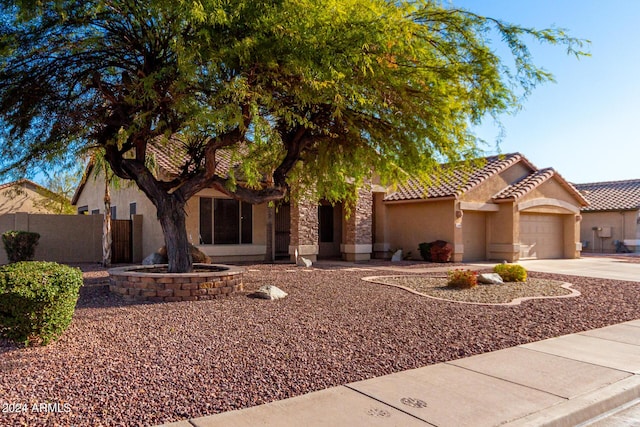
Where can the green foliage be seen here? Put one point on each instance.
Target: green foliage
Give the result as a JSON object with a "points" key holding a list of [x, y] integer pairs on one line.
{"points": [[308, 96], [462, 279], [37, 300], [20, 245], [60, 187], [425, 251], [511, 272]]}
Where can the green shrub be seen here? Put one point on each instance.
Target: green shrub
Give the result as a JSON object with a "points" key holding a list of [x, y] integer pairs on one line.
{"points": [[511, 272], [20, 245], [462, 279], [37, 300], [425, 251]]}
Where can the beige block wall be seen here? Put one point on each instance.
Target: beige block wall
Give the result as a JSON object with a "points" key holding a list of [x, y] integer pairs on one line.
{"points": [[409, 224], [618, 222], [63, 238]]}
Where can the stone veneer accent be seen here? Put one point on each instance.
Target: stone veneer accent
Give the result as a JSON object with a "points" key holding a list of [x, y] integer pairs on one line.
{"points": [[358, 232], [359, 226], [133, 282], [304, 229]]}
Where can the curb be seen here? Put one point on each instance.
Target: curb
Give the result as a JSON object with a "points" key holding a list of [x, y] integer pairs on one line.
{"points": [[584, 408]]}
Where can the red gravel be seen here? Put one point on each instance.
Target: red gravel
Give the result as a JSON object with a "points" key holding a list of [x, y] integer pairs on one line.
{"points": [[145, 364]]}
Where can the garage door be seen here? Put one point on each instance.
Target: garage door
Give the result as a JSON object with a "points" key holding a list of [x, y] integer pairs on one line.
{"points": [[541, 236], [474, 236]]}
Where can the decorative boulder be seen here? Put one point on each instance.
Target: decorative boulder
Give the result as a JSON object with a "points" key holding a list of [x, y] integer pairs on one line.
{"points": [[490, 279], [440, 251], [196, 255], [270, 292], [154, 258], [397, 256], [304, 262]]}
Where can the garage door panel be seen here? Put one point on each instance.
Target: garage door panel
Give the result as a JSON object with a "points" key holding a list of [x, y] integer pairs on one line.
{"points": [[541, 236]]}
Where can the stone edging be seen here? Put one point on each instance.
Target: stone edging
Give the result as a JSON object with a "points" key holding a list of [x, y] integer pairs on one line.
{"points": [[574, 293], [170, 287]]}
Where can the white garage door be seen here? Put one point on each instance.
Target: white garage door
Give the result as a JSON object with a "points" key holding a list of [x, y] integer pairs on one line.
{"points": [[541, 236], [474, 236]]}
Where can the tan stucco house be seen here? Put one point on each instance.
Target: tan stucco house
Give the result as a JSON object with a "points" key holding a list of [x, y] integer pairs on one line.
{"points": [[504, 208], [611, 222], [28, 197]]}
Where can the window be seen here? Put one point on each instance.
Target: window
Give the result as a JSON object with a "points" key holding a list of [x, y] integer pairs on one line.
{"points": [[95, 212], [114, 212], [83, 210], [132, 208], [225, 221]]}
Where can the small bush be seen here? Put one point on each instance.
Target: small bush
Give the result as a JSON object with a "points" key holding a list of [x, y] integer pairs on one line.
{"points": [[425, 251], [511, 272], [37, 300], [462, 279], [20, 245]]}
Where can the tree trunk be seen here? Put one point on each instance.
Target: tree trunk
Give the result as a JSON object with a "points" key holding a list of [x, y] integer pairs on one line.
{"points": [[106, 226], [171, 215]]}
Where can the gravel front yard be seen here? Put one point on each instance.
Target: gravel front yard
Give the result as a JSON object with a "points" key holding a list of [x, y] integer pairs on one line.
{"points": [[146, 364]]}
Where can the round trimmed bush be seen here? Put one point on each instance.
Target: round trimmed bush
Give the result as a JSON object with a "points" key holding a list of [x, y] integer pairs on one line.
{"points": [[37, 300]]}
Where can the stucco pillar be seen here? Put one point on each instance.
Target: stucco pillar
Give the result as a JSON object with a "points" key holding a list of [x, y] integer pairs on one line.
{"points": [[304, 229], [136, 238], [358, 235]]}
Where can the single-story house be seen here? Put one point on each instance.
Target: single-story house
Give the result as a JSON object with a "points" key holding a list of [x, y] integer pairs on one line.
{"points": [[26, 196], [611, 222], [503, 208]]}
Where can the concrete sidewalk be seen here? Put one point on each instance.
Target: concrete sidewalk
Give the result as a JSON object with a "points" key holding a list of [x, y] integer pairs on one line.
{"points": [[563, 381]]}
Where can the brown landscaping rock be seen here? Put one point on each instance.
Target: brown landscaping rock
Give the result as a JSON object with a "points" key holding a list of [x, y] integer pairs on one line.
{"points": [[160, 257]]}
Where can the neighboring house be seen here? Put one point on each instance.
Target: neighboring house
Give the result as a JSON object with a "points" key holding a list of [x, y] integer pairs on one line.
{"points": [[611, 222], [503, 209], [28, 197]]}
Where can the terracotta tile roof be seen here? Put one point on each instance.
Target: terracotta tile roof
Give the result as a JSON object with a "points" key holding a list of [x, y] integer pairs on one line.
{"points": [[457, 181], [612, 195], [525, 185], [171, 157]]}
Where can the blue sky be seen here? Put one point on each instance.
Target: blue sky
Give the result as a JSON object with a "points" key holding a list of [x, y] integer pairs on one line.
{"points": [[585, 124]]}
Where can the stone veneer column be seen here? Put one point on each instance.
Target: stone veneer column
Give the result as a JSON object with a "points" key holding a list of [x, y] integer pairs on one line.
{"points": [[358, 232], [304, 229]]}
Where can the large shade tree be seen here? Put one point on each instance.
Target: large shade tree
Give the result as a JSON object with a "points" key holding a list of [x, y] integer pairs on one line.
{"points": [[293, 91]]}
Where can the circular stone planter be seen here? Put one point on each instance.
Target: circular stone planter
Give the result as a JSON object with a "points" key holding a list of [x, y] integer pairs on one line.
{"points": [[145, 283]]}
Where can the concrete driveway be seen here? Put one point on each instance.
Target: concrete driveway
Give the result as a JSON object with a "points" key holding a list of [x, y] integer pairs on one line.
{"points": [[606, 267]]}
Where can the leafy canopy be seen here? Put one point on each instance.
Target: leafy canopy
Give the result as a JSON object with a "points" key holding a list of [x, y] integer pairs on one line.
{"points": [[294, 91]]}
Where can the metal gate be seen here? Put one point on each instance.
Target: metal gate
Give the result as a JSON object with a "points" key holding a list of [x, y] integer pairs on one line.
{"points": [[121, 241]]}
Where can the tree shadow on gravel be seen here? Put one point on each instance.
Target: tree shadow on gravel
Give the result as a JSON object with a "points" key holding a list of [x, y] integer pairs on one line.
{"points": [[101, 297]]}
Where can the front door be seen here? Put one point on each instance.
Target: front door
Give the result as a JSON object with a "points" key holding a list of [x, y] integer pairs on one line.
{"points": [[329, 230], [282, 231]]}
